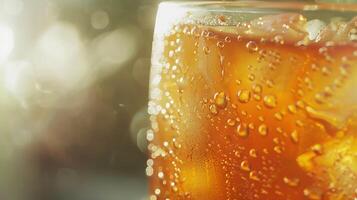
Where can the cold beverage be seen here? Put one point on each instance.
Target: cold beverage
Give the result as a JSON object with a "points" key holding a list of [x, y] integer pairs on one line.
{"points": [[261, 107]]}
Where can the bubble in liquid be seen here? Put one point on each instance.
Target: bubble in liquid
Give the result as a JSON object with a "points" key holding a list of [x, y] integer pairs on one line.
{"points": [[252, 46], [220, 99], [263, 130], [269, 83], [305, 160], [244, 96], [242, 130], [245, 166], [270, 101]]}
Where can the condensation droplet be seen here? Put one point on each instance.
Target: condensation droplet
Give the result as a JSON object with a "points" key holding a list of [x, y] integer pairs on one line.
{"points": [[257, 88], [242, 130], [319, 98], [254, 176], [313, 193], [251, 77], [300, 104], [253, 153], [294, 136], [292, 109], [244, 96], [252, 46], [270, 101], [157, 191], [206, 50], [149, 171], [278, 149], [228, 39], [160, 175], [278, 116], [263, 130], [231, 122], [220, 99], [220, 44], [293, 182], [213, 109], [317, 148], [325, 71], [245, 166]]}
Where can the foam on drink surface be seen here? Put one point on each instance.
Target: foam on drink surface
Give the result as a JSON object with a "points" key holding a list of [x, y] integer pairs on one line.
{"points": [[262, 110]]}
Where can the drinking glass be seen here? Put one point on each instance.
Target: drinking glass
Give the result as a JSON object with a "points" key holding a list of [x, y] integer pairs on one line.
{"points": [[253, 100]]}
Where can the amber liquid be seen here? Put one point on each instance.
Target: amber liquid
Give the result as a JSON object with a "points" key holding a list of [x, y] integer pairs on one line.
{"points": [[250, 118]]}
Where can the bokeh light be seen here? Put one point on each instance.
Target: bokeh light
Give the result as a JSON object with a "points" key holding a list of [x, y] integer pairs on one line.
{"points": [[6, 41], [100, 19]]}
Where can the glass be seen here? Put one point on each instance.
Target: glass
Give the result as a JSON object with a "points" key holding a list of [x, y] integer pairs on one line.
{"points": [[253, 100]]}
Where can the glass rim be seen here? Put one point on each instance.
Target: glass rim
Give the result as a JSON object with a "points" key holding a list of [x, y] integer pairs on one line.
{"points": [[302, 6]]}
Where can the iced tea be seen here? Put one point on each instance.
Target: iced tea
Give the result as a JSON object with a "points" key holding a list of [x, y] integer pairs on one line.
{"points": [[256, 106]]}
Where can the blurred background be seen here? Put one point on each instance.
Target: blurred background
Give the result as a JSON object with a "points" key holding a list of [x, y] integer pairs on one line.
{"points": [[73, 94]]}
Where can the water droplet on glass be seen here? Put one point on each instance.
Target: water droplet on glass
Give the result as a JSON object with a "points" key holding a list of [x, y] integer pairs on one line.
{"points": [[317, 148], [292, 109], [313, 193], [294, 136], [252, 46], [293, 182], [257, 88], [206, 50], [253, 153], [263, 130], [242, 130], [220, 99], [213, 109], [244, 96], [228, 39], [254, 176], [244, 165], [231, 122], [270, 101], [220, 44], [278, 149], [278, 116]]}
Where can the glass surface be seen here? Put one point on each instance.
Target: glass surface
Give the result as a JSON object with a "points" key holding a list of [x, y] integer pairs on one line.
{"points": [[253, 100]]}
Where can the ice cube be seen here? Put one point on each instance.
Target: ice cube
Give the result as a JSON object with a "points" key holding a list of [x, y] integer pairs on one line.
{"points": [[336, 163], [314, 27]]}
